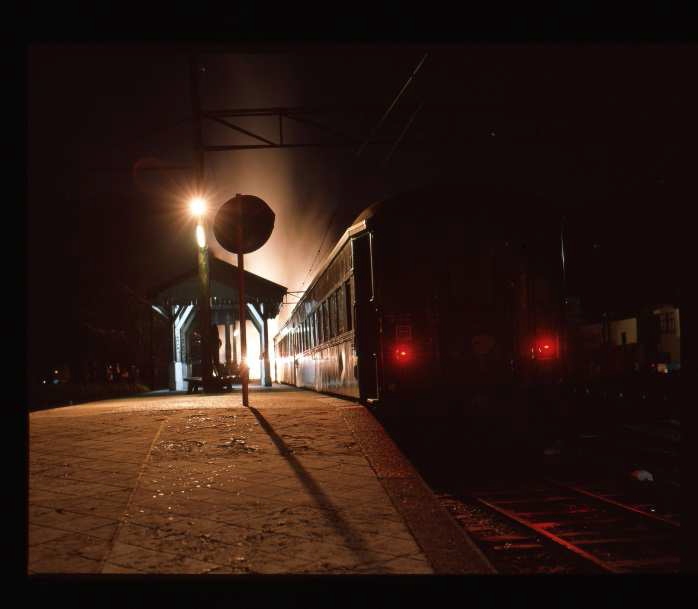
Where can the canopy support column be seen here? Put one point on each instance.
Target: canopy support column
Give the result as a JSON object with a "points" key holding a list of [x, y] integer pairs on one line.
{"points": [[235, 344], [265, 350], [227, 347], [172, 368]]}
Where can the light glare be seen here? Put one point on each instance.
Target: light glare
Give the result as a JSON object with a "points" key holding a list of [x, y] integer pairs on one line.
{"points": [[197, 206], [200, 236]]}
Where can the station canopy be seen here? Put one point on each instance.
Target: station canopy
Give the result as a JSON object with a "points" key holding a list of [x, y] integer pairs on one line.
{"points": [[183, 289]]}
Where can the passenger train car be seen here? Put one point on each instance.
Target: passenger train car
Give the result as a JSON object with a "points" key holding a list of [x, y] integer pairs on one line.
{"points": [[443, 291]]}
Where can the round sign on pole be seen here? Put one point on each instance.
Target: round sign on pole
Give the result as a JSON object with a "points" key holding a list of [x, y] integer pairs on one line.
{"points": [[242, 225], [257, 221]]}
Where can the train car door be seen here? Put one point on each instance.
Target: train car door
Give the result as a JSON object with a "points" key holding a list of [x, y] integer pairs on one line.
{"points": [[366, 318]]}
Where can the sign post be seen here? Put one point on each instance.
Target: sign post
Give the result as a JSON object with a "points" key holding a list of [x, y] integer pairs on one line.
{"points": [[244, 367], [242, 225]]}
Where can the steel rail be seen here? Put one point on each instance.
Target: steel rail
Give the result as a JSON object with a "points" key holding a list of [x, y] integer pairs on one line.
{"points": [[613, 502], [576, 550]]}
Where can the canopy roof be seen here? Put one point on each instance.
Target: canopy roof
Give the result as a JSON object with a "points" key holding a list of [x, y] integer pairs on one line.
{"points": [[184, 289]]}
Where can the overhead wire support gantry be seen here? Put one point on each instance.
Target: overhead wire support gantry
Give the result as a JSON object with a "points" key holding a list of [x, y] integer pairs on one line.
{"points": [[281, 116]]}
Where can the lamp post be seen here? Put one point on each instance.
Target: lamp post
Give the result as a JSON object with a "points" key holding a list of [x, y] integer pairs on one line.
{"points": [[197, 207]]}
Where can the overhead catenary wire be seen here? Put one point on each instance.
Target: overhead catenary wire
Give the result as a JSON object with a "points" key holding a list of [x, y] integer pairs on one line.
{"points": [[322, 243], [402, 134], [363, 145], [387, 112]]}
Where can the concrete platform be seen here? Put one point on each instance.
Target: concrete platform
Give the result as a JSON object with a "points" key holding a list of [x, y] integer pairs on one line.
{"points": [[300, 483]]}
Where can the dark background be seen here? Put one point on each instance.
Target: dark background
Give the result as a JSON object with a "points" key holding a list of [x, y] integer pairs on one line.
{"points": [[600, 130]]}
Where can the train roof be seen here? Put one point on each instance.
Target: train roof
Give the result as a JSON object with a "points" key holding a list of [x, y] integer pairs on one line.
{"points": [[414, 203], [356, 227]]}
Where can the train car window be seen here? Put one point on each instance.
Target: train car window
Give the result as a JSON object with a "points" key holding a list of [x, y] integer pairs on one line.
{"points": [[348, 303], [333, 315], [335, 310], [341, 311], [341, 305], [328, 304], [318, 321], [325, 321], [330, 324], [335, 303], [318, 329]]}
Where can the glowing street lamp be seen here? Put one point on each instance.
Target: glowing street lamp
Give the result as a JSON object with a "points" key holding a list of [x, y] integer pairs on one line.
{"points": [[197, 206]]}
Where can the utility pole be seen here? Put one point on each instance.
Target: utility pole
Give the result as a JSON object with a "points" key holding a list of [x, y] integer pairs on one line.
{"points": [[203, 254]]}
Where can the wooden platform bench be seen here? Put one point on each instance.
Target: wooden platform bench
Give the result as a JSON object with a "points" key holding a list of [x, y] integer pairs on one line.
{"points": [[194, 382]]}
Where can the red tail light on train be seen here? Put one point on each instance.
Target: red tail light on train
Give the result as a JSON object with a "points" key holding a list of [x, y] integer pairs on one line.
{"points": [[402, 354], [545, 347]]}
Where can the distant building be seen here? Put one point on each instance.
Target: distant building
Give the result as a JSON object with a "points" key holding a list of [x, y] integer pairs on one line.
{"points": [[622, 332], [649, 340], [669, 338]]}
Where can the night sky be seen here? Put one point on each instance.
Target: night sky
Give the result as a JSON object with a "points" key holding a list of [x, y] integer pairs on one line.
{"points": [[601, 131]]}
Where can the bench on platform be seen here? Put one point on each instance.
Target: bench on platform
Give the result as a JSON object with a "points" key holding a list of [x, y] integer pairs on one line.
{"points": [[219, 378]]}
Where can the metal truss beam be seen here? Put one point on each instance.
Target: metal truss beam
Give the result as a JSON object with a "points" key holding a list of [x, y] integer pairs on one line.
{"points": [[240, 129], [298, 115]]}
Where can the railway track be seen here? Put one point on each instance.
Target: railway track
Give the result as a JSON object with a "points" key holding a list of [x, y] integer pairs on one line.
{"points": [[555, 527]]}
